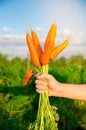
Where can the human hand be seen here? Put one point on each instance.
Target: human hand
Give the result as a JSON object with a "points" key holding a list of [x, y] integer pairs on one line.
{"points": [[47, 82]]}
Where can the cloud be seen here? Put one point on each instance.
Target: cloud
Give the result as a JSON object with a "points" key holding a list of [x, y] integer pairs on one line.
{"points": [[75, 38], [15, 45], [77, 44], [66, 32], [12, 38], [38, 28], [6, 29]]}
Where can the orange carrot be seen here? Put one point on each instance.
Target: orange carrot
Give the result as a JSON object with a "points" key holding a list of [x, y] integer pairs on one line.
{"points": [[29, 74], [49, 45], [45, 57], [51, 34], [36, 42], [33, 51], [58, 49]]}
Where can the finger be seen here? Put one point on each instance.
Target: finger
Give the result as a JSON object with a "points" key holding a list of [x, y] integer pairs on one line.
{"points": [[40, 91], [41, 82], [44, 76], [44, 88]]}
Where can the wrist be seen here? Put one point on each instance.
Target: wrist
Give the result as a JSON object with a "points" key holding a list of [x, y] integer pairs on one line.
{"points": [[59, 90]]}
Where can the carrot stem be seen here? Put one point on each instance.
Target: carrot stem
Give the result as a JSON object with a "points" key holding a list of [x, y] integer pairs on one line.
{"points": [[45, 118]]}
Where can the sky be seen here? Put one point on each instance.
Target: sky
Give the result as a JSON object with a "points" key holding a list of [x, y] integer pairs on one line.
{"points": [[19, 16]]}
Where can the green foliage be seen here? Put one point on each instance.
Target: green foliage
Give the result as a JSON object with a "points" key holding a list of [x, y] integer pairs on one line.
{"points": [[19, 104]]}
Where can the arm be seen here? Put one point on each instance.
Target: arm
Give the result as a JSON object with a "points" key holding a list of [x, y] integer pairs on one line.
{"points": [[72, 91]]}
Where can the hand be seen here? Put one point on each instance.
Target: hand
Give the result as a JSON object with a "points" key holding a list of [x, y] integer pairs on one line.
{"points": [[47, 82]]}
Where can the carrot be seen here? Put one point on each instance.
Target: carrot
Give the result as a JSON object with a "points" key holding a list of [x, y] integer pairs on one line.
{"points": [[51, 34], [33, 51], [45, 57], [29, 74], [36, 42], [49, 45], [58, 49]]}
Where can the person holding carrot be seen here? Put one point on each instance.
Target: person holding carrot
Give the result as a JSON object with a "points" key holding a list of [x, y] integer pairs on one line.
{"points": [[55, 88]]}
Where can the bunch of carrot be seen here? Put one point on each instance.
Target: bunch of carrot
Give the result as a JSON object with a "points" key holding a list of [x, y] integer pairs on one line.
{"points": [[39, 56], [40, 59]]}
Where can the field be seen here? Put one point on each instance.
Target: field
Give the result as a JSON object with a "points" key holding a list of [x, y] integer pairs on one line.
{"points": [[19, 104]]}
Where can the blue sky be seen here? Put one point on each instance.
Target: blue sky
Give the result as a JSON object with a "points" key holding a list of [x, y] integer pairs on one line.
{"points": [[18, 15]]}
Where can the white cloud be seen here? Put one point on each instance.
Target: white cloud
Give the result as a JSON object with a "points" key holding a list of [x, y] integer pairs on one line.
{"points": [[12, 38], [75, 38], [66, 32], [40, 29], [6, 29], [16, 45]]}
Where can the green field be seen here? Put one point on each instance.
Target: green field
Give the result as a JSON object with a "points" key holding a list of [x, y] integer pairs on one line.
{"points": [[19, 104]]}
